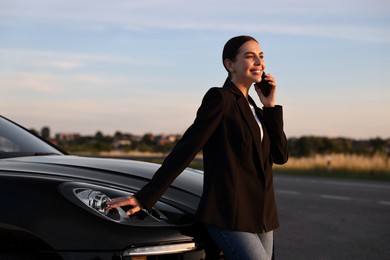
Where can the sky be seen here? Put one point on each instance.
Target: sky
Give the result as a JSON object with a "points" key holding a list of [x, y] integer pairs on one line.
{"points": [[143, 66]]}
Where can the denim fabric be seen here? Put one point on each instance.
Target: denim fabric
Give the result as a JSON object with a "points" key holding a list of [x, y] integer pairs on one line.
{"points": [[242, 245]]}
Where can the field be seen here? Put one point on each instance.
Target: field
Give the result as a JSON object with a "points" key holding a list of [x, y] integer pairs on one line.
{"points": [[375, 167], [339, 165]]}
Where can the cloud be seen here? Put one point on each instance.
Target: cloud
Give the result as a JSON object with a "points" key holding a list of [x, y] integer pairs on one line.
{"points": [[113, 64], [67, 60], [299, 17], [85, 114], [57, 85]]}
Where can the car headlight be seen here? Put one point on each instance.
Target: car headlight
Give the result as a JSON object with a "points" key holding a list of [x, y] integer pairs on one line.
{"points": [[94, 199], [160, 249], [98, 201]]}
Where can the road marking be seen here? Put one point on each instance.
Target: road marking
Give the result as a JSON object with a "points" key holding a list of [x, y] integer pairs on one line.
{"points": [[290, 192], [332, 197], [384, 202], [347, 183]]}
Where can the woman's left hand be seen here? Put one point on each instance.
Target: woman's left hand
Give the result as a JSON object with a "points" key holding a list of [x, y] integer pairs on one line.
{"points": [[268, 101]]}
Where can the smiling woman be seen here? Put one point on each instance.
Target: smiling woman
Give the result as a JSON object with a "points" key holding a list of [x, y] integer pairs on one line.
{"points": [[240, 144]]}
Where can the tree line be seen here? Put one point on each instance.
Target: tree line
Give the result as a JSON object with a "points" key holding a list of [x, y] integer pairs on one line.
{"points": [[310, 145], [298, 146]]}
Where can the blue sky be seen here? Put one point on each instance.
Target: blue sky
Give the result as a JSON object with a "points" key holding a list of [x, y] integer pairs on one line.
{"points": [[144, 66]]}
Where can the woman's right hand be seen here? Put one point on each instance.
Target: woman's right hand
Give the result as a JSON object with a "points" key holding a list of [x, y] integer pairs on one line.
{"points": [[125, 201], [267, 101]]}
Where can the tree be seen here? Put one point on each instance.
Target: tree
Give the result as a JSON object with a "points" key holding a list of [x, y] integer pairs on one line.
{"points": [[99, 136], [45, 132], [118, 135], [148, 139]]}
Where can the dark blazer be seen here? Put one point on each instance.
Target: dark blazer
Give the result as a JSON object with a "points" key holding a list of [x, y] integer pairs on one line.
{"points": [[238, 190]]}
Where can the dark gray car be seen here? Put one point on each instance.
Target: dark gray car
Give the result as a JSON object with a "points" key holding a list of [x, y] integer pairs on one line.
{"points": [[53, 205]]}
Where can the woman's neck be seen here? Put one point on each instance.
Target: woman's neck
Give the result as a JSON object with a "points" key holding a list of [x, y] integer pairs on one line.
{"points": [[244, 88]]}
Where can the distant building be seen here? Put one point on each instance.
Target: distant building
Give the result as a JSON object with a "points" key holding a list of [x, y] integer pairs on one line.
{"points": [[121, 143], [166, 139], [64, 137]]}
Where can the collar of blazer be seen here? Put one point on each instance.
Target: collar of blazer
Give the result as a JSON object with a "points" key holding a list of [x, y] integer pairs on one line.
{"points": [[249, 119]]}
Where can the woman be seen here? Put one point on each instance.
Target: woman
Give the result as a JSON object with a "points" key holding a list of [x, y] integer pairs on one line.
{"points": [[240, 142]]}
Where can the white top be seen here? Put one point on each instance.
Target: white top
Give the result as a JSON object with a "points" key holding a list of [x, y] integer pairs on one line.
{"points": [[257, 120]]}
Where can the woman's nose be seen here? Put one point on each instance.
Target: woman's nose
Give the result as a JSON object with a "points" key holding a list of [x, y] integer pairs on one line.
{"points": [[258, 61]]}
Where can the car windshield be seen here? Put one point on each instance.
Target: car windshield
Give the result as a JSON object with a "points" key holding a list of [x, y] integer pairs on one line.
{"points": [[16, 141]]}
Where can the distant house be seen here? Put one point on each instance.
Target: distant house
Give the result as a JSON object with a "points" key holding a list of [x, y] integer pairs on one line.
{"points": [[61, 137]]}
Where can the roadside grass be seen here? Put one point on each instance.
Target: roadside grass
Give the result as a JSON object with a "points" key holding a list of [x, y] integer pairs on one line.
{"points": [[354, 166], [376, 167]]}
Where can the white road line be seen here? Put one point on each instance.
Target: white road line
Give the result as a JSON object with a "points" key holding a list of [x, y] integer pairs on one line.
{"points": [[289, 192], [332, 197], [384, 202], [385, 186]]}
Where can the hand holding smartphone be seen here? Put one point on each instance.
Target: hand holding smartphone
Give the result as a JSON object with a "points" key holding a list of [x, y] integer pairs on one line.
{"points": [[264, 85]]}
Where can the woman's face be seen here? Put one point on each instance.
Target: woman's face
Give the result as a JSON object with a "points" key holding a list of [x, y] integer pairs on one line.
{"points": [[248, 65]]}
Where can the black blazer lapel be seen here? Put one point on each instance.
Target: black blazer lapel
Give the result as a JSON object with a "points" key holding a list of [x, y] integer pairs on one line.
{"points": [[249, 119], [265, 137]]}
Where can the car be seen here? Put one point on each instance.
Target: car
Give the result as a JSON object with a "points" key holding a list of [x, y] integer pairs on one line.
{"points": [[53, 205]]}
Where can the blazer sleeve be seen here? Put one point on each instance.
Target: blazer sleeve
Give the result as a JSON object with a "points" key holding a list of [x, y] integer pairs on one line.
{"points": [[207, 119], [273, 117]]}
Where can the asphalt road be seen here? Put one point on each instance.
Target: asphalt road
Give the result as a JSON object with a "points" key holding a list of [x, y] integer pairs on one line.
{"points": [[325, 219]]}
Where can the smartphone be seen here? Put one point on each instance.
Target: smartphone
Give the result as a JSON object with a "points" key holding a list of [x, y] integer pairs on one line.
{"points": [[264, 86]]}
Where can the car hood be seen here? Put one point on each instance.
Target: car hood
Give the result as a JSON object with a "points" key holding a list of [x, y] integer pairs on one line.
{"points": [[127, 174]]}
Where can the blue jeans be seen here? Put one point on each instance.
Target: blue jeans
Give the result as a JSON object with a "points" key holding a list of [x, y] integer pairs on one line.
{"points": [[242, 245]]}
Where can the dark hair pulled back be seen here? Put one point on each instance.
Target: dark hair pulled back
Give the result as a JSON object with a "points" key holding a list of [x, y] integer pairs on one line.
{"points": [[232, 47]]}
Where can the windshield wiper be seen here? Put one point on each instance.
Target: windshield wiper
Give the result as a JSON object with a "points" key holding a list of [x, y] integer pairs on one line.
{"points": [[4, 155], [43, 154]]}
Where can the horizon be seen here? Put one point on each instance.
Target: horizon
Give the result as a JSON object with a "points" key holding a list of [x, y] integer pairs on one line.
{"points": [[142, 67], [53, 134]]}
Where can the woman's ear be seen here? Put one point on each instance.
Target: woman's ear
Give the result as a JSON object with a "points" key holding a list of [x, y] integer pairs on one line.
{"points": [[228, 65]]}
